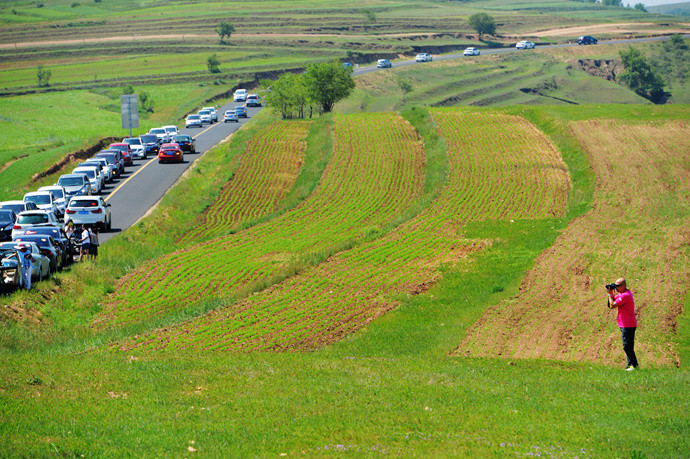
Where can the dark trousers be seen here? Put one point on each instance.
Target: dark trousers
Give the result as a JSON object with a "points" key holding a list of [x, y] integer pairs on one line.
{"points": [[628, 335]]}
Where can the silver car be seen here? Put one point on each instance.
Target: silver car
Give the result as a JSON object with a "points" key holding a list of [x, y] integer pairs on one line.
{"points": [[40, 265], [75, 185]]}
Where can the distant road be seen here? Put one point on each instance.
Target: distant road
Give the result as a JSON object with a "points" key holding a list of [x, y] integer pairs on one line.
{"points": [[145, 183]]}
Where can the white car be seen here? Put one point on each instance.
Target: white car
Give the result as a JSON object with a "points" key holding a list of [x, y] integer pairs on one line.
{"points": [[524, 45], [89, 210], [193, 121], [138, 149], [95, 177], [205, 116], [240, 95], [383, 64], [31, 218], [424, 57], [253, 100], [44, 200], [171, 130], [59, 196], [230, 115], [162, 134], [102, 163], [214, 113], [471, 52]]}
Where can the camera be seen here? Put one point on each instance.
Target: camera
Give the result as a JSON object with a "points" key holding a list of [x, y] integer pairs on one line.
{"points": [[611, 286]]}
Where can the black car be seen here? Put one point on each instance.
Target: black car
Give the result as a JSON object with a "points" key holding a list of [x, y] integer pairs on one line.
{"points": [[586, 40], [48, 247], [150, 142], [7, 219], [68, 246], [186, 143], [113, 157]]}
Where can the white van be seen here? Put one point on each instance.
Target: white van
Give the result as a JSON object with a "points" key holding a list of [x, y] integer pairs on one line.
{"points": [[240, 95]]}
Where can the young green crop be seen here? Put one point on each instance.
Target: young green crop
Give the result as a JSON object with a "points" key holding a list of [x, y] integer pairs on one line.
{"points": [[375, 174]]}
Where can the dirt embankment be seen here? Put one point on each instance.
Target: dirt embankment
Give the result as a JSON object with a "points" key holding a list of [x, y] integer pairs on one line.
{"points": [[85, 153], [603, 68]]}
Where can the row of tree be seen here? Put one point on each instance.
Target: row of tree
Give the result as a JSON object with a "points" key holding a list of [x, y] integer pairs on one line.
{"points": [[321, 86]]}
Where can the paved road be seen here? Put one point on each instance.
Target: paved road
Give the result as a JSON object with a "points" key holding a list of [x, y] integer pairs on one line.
{"points": [[145, 183]]}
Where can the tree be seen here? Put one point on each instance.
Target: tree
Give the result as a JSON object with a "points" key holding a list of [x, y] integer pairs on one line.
{"points": [[640, 77], [288, 95], [224, 30], [328, 83], [405, 86], [212, 63], [640, 6], [612, 2], [483, 24], [43, 76]]}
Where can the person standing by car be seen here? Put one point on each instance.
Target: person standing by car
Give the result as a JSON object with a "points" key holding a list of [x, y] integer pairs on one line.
{"points": [[94, 242], [625, 304], [25, 259], [85, 243]]}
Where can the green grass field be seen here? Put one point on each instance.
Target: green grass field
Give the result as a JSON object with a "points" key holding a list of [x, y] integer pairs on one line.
{"points": [[396, 385], [416, 274]]}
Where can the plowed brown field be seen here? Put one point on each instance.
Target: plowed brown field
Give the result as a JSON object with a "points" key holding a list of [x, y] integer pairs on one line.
{"points": [[638, 228]]}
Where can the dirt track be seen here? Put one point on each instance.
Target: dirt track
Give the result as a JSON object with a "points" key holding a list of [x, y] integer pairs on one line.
{"points": [[620, 28]]}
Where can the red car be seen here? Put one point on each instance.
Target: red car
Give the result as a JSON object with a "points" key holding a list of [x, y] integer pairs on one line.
{"points": [[170, 152], [126, 151]]}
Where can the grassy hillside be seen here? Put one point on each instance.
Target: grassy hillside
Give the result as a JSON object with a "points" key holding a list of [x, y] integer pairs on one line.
{"points": [[466, 242]]}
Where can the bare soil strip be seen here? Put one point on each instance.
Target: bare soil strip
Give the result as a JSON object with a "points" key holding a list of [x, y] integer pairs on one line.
{"points": [[639, 228], [624, 28]]}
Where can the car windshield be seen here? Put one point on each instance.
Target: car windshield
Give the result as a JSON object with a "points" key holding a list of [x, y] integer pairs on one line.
{"points": [[32, 219], [6, 216], [157, 131], [83, 203], [204, 112], [108, 157], [71, 181], [89, 173], [38, 198], [118, 147], [57, 193], [38, 240], [148, 138], [182, 138], [193, 117], [133, 141], [16, 208], [171, 129], [48, 230]]}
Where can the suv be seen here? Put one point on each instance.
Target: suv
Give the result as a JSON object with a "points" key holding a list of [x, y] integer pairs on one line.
{"points": [[89, 210], [253, 100], [31, 218], [150, 142], [424, 57], [214, 113], [137, 146], [240, 95], [162, 134], [384, 64], [205, 116], [75, 185], [44, 200], [586, 40]]}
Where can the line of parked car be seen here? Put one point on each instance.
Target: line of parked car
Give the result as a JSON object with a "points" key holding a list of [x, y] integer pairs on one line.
{"points": [[40, 219]]}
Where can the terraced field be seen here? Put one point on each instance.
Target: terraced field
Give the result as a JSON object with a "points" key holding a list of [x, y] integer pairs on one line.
{"points": [[376, 173], [639, 229], [506, 170], [265, 174]]}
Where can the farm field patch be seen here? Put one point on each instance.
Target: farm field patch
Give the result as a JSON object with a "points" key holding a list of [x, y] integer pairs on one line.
{"points": [[506, 169], [375, 175], [267, 171], [637, 229]]}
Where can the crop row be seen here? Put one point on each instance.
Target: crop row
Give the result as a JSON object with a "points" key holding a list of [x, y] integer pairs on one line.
{"points": [[265, 174], [376, 173], [487, 173]]}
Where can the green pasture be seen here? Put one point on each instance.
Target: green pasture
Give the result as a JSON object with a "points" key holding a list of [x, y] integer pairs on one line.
{"points": [[391, 388]]}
